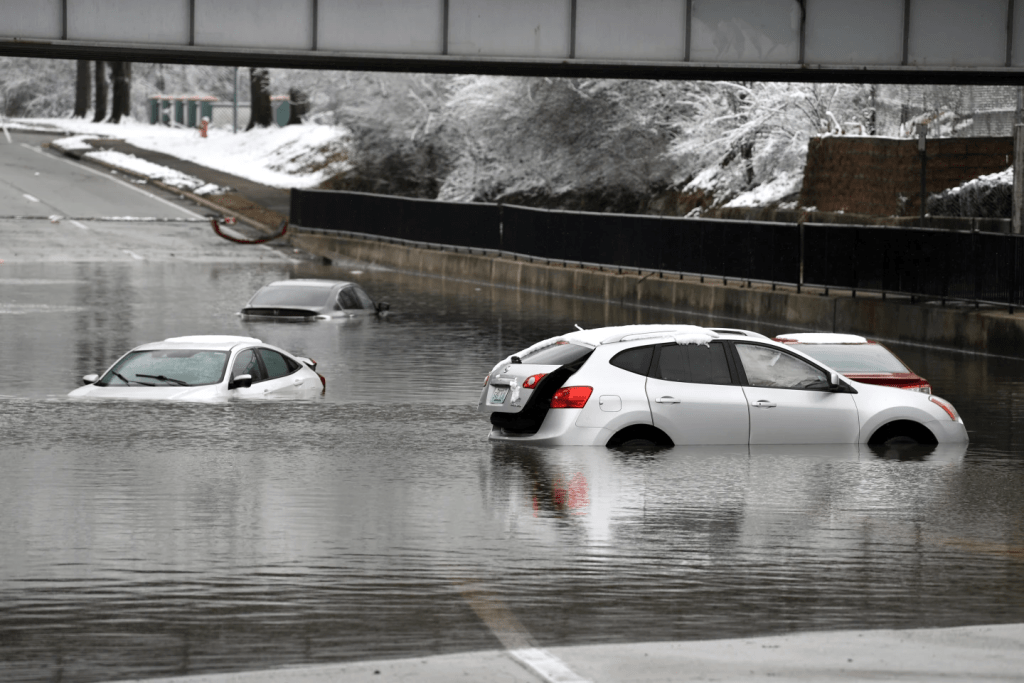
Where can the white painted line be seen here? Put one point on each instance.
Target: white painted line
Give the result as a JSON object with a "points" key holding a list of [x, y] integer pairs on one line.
{"points": [[29, 197], [133, 255], [7, 135], [78, 225], [517, 641], [34, 149], [546, 665]]}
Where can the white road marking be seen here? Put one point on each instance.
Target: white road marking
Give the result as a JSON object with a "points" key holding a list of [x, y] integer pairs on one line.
{"points": [[546, 665], [78, 225], [133, 255], [493, 611], [29, 197], [37, 150], [7, 135]]}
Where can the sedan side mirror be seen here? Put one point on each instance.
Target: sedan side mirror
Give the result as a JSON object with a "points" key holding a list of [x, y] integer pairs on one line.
{"points": [[90, 379], [837, 386], [383, 306], [240, 382]]}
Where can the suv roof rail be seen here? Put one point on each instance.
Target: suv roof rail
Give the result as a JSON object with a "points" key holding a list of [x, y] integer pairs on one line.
{"points": [[742, 333]]}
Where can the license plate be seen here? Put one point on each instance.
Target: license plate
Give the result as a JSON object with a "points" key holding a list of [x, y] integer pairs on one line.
{"points": [[499, 394]]}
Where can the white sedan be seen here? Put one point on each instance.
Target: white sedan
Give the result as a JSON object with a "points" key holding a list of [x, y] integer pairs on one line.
{"points": [[687, 385], [205, 368]]}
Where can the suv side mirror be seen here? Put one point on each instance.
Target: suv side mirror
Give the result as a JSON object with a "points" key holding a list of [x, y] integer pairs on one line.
{"points": [[383, 306], [240, 382], [90, 379]]}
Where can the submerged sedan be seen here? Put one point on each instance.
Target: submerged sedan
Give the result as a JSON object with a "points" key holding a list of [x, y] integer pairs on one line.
{"points": [[306, 300], [857, 358], [686, 385], [205, 368]]}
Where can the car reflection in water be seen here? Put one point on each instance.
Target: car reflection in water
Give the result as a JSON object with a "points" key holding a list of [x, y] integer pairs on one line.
{"points": [[616, 496]]}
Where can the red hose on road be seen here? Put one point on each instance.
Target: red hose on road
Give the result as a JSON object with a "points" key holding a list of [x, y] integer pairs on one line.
{"points": [[260, 240]]}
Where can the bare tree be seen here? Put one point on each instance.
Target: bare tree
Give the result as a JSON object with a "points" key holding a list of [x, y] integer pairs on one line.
{"points": [[83, 89], [260, 113], [121, 105], [101, 92]]}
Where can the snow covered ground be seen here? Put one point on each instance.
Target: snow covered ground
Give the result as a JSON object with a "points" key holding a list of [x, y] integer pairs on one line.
{"points": [[300, 156]]}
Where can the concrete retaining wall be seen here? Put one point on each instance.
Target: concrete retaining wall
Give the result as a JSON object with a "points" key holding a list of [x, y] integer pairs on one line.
{"points": [[988, 331]]}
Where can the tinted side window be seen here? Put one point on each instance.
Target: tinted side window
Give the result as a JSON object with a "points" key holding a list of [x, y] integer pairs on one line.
{"points": [[348, 299], [246, 364], [695, 363], [770, 367], [636, 360], [276, 364]]}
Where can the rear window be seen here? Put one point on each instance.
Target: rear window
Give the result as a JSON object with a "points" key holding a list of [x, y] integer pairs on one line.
{"points": [[292, 295], [559, 354], [636, 360], [854, 357]]}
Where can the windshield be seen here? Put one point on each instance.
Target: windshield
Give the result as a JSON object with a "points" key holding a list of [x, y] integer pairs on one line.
{"points": [[167, 367], [290, 295], [558, 354], [854, 357]]}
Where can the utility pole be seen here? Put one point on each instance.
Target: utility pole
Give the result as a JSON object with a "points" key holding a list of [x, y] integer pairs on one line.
{"points": [[922, 135], [234, 106], [1018, 162]]}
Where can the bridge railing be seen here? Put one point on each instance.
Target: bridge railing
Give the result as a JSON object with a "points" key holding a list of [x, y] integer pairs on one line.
{"points": [[975, 267]]}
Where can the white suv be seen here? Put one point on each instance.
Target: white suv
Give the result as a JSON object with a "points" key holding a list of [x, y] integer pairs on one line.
{"points": [[687, 385]]}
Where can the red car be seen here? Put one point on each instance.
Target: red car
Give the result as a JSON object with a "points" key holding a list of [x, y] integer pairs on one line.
{"points": [[860, 359]]}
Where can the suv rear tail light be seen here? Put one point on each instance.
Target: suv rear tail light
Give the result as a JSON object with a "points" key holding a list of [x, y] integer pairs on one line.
{"points": [[571, 397], [532, 381], [923, 388], [323, 380]]}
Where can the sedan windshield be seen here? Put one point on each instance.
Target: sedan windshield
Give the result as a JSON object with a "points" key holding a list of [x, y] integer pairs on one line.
{"points": [[854, 357], [167, 367], [296, 295]]}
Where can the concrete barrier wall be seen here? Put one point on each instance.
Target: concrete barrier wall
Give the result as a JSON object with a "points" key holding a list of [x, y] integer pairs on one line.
{"points": [[988, 331]]}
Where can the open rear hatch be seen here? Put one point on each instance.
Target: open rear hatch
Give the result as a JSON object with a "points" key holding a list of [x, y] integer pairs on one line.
{"points": [[518, 392]]}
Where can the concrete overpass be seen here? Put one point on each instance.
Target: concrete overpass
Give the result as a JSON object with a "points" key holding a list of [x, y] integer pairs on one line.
{"points": [[939, 41]]}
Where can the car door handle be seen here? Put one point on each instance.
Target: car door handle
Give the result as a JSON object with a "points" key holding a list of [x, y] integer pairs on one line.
{"points": [[764, 404], [298, 382], [667, 399]]}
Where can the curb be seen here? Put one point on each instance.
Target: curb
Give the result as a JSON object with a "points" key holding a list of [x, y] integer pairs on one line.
{"points": [[184, 194]]}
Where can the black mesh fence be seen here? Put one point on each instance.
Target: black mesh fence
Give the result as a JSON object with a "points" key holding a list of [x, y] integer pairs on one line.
{"points": [[768, 252], [941, 264], [418, 220]]}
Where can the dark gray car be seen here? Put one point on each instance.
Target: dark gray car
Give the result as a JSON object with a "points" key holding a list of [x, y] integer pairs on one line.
{"points": [[309, 300]]}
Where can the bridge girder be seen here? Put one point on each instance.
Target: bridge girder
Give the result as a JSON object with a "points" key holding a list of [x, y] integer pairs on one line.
{"points": [[913, 41]]}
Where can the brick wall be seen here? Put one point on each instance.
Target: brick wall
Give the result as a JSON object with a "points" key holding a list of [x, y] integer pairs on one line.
{"points": [[882, 176]]}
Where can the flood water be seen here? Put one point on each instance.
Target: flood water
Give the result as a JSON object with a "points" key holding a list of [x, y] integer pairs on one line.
{"points": [[157, 539]]}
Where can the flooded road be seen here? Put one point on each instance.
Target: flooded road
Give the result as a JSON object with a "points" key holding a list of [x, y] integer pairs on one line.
{"points": [[156, 539], [377, 521]]}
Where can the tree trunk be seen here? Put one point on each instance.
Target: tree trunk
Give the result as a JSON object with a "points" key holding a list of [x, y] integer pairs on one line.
{"points": [[259, 85], [83, 89], [299, 106], [101, 92], [121, 104]]}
